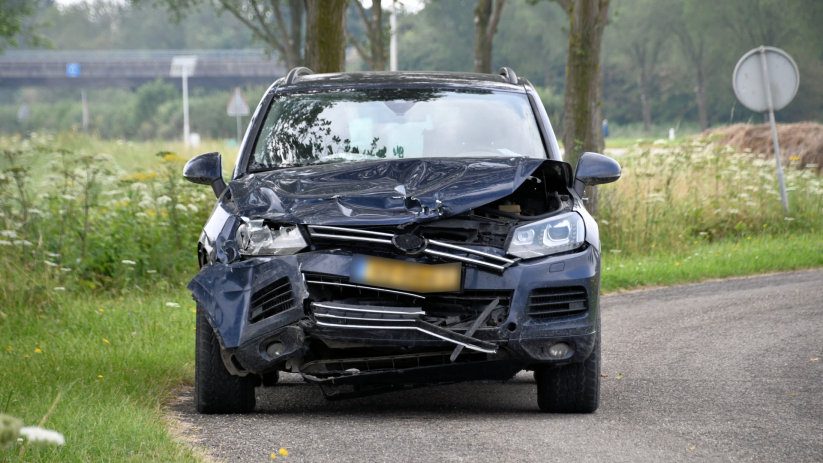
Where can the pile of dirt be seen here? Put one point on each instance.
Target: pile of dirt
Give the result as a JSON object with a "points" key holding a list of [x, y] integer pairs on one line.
{"points": [[801, 144]]}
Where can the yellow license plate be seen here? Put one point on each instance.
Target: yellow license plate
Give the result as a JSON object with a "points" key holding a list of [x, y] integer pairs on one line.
{"points": [[408, 276]]}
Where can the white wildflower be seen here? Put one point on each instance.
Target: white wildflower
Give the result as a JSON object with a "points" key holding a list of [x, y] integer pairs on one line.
{"points": [[59, 288], [22, 243], [5, 243], [36, 212], [36, 434], [192, 207], [172, 304], [128, 262], [163, 199], [142, 215], [151, 271], [50, 263], [180, 207], [8, 233], [788, 219], [65, 269], [67, 197], [53, 254]]}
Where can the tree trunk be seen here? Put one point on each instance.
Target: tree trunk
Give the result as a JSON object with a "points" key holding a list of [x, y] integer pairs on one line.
{"points": [[486, 18], [325, 35], [482, 46], [645, 107], [700, 95], [295, 41], [582, 115], [375, 27]]}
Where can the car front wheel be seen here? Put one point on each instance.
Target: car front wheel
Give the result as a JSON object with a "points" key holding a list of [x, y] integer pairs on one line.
{"points": [[215, 389], [573, 388]]}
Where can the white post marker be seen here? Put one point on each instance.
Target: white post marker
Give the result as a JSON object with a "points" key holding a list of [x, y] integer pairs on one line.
{"points": [[237, 107], [183, 67], [766, 79]]}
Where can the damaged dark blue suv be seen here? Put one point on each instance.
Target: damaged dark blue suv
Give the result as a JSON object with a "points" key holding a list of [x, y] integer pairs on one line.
{"points": [[392, 230]]}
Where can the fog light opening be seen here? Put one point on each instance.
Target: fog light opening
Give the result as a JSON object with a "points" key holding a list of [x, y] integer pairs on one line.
{"points": [[274, 349], [559, 350]]}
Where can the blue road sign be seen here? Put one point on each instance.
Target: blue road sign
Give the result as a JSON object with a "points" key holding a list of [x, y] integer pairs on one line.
{"points": [[72, 69]]}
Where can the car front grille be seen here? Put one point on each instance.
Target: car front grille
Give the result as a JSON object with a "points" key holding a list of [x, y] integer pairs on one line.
{"points": [[457, 306], [272, 299], [557, 302], [432, 248]]}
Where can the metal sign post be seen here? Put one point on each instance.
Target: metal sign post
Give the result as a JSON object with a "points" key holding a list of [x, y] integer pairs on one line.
{"points": [[237, 107], [183, 67], [766, 79]]}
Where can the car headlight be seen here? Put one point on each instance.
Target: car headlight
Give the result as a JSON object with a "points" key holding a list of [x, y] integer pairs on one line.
{"points": [[255, 238], [556, 234]]}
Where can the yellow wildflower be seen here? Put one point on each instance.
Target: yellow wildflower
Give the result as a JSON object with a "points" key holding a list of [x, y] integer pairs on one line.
{"points": [[38, 351], [9, 348], [283, 452], [106, 341], [677, 264], [100, 376], [171, 157]]}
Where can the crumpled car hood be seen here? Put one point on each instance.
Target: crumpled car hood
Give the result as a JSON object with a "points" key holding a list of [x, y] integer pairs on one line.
{"points": [[383, 192]]}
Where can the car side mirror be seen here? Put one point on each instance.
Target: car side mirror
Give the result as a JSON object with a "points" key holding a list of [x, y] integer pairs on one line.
{"points": [[206, 169], [595, 169]]}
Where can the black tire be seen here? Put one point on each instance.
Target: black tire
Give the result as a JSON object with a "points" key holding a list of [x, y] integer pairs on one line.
{"points": [[215, 389], [573, 388]]}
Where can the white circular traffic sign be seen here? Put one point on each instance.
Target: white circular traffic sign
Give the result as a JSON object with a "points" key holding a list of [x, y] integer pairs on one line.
{"points": [[749, 81]]}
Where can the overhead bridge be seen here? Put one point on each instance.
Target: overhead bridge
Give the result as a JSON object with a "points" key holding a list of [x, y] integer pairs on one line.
{"points": [[131, 68]]}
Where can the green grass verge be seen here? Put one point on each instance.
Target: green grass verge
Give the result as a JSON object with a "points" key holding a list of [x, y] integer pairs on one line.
{"points": [[97, 369], [734, 257]]}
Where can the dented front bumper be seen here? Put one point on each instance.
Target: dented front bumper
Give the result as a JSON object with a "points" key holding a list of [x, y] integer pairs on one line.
{"points": [[302, 313]]}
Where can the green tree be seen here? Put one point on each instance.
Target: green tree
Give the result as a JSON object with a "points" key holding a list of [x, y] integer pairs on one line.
{"points": [[639, 41], [436, 38], [277, 23], [373, 47], [15, 24]]}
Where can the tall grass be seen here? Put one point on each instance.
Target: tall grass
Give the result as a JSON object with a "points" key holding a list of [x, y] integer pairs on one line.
{"points": [[675, 196], [72, 219]]}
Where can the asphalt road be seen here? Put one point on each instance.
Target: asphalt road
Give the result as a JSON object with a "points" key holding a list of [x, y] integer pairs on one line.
{"points": [[719, 371]]}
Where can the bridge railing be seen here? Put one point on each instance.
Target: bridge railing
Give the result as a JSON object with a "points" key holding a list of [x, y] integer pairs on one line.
{"points": [[102, 56]]}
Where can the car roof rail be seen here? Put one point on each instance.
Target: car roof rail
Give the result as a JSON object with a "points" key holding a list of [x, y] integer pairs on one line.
{"points": [[295, 74], [508, 74]]}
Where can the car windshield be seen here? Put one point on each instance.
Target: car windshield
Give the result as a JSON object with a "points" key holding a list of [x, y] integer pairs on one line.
{"points": [[358, 125]]}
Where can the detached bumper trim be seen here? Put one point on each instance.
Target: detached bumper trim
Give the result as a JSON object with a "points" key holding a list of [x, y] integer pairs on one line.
{"points": [[449, 338], [391, 318]]}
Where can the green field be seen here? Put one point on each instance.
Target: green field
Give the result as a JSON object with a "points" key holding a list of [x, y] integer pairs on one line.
{"points": [[98, 243]]}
